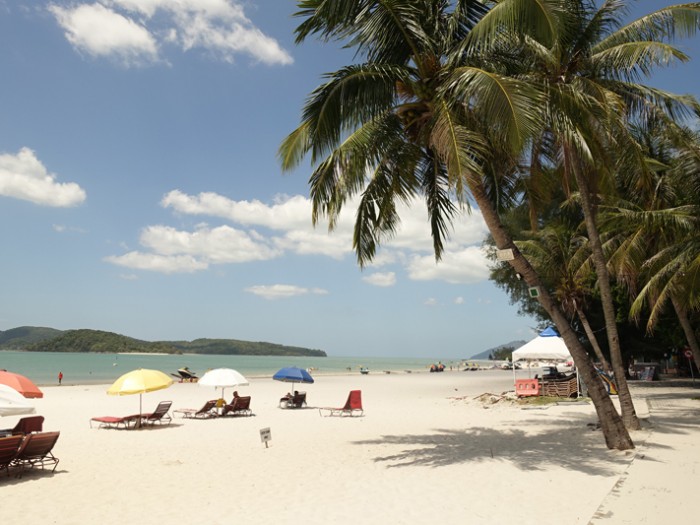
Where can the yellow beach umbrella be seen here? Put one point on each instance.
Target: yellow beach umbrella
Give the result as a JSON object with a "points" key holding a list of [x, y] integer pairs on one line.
{"points": [[139, 382]]}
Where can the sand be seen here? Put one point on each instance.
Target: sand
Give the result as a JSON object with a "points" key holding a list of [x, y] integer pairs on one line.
{"points": [[425, 451]]}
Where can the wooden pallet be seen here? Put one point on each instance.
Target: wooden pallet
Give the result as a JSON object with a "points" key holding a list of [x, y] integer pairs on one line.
{"points": [[559, 388]]}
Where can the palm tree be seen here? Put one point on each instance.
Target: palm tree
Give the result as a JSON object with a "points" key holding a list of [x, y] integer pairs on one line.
{"points": [[591, 73], [427, 114], [657, 248], [559, 255]]}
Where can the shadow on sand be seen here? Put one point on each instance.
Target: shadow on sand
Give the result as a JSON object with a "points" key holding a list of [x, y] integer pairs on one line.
{"points": [[568, 442]]}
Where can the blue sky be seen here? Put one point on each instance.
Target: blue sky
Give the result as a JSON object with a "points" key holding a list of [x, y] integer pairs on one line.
{"points": [[140, 191]]}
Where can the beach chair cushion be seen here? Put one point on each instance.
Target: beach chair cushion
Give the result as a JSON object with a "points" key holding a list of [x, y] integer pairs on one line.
{"points": [[116, 422]]}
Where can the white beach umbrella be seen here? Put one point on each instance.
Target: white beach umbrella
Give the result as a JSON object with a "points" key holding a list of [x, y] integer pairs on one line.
{"points": [[12, 403], [223, 378]]}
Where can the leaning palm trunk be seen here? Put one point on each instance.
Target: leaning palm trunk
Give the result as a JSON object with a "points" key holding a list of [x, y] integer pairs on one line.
{"points": [[629, 415], [614, 431], [592, 338], [682, 314]]}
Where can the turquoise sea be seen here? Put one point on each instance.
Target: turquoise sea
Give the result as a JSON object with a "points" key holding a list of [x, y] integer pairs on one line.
{"points": [[89, 368]]}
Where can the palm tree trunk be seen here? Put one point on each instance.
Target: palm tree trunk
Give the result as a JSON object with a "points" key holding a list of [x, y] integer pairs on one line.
{"points": [[629, 415], [592, 338], [682, 314], [614, 431]]}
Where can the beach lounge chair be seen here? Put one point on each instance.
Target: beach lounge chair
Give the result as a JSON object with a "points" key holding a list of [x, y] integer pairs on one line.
{"points": [[296, 400], [207, 411], [240, 406], [9, 446], [36, 451], [125, 422], [160, 415], [30, 424], [353, 406]]}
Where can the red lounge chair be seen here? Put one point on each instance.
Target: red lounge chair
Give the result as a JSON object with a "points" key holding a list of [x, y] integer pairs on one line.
{"points": [[36, 451], [160, 415], [30, 424], [240, 406], [353, 406], [26, 425], [9, 446], [207, 411], [125, 422]]}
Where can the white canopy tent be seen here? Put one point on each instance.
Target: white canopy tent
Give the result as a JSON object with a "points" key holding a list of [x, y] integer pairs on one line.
{"points": [[547, 346]]}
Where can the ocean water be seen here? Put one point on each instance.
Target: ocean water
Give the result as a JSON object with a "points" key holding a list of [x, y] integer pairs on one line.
{"points": [[93, 368]]}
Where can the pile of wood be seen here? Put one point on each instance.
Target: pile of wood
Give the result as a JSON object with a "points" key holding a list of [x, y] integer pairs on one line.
{"points": [[567, 388]]}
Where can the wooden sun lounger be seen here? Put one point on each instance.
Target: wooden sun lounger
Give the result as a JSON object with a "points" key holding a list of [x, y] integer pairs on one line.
{"points": [[36, 451], [240, 406], [298, 400], [9, 447], [207, 411], [160, 415]]}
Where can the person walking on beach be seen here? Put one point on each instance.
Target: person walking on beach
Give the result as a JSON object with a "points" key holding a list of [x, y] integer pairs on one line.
{"points": [[60, 377]]}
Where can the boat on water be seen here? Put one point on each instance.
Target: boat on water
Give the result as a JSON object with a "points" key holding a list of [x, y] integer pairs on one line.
{"points": [[185, 375]]}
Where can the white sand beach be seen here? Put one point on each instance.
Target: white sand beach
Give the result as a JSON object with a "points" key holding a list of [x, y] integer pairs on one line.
{"points": [[425, 451]]}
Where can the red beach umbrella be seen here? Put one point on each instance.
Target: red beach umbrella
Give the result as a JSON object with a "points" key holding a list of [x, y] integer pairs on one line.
{"points": [[22, 384]]}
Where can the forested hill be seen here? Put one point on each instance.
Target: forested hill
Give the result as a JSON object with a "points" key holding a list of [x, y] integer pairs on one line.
{"points": [[38, 339]]}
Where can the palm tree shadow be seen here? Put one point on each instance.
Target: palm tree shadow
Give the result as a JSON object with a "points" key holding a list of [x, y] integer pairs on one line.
{"points": [[571, 446]]}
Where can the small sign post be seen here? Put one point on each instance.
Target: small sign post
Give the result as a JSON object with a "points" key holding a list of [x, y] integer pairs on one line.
{"points": [[265, 435], [505, 255], [689, 354]]}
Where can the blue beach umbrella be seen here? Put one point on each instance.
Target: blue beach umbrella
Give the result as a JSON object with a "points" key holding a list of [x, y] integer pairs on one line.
{"points": [[293, 374]]}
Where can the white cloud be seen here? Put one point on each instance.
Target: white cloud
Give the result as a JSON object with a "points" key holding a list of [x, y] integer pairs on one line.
{"points": [[431, 301], [264, 231], [158, 263], [465, 266], [23, 176], [289, 216], [215, 245], [283, 291], [135, 30], [62, 228], [381, 279], [285, 213], [459, 300], [101, 32]]}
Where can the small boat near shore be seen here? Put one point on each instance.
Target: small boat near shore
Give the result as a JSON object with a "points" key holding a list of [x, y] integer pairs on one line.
{"points": [[185, 375]]}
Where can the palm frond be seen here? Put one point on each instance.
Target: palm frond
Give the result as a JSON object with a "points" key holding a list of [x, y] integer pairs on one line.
{"points": [[511, 106]]}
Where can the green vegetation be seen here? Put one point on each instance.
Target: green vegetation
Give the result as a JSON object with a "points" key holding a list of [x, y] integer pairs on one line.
{"points": [[504, 353], [98, 341], [35, 339], [234, 347], [20, 337]]}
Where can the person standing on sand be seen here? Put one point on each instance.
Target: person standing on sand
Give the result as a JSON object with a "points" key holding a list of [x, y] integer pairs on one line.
{"points": [[60, 377]]}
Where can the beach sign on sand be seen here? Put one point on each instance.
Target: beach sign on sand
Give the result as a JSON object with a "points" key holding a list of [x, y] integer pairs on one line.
{"points": [[265, 435]]}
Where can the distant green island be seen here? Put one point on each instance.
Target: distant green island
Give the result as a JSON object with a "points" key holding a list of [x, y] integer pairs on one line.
{"points": [[41, 339]]}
